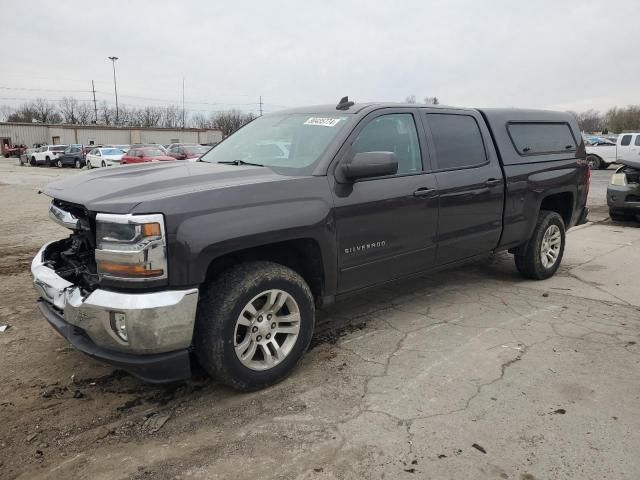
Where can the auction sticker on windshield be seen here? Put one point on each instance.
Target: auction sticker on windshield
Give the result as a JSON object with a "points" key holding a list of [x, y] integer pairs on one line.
{"points": [[323, 122]]}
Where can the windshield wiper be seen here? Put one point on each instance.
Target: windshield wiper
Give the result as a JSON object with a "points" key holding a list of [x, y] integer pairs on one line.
{"points": [[241, 162]]}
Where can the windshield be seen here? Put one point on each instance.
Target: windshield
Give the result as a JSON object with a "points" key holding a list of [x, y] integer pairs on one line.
{"points": [[152, 152], [294, 141], [111, 151]]}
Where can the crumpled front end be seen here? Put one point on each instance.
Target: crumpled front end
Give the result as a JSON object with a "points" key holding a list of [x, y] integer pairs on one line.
{"points": [[148, 333]]}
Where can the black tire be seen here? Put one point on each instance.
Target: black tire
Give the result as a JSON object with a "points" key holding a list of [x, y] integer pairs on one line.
{"points": [[89, 166], [103, 164], [595, 162], [59, 163], [221, 303], [47, 162], [33, 162], [77, 163], [528, 257]]}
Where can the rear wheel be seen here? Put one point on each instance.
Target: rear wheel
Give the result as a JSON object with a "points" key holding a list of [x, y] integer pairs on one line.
{"points": [[89, 166], [103, 164], [33, 162], [59, 163], [78, 163], [47, 162], [254, 323], [595, 162], [541, 256]]}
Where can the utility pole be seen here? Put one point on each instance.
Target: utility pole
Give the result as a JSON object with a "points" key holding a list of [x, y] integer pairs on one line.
{"points": [[260, 105], [95, 105], [183, 103], [115, 87]]}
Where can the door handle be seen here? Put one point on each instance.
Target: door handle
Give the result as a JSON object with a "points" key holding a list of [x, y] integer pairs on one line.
{"points": [[492, 182], [424, 192]]}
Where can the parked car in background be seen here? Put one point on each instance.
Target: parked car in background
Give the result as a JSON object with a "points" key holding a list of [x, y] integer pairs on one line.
{"points": [[623, 192], [26, 156], [145, 155], [72, 155], [47, 155], [185, 144], [104, 157], [603, 152], [187, 152], [124, 148], [155, 145]]}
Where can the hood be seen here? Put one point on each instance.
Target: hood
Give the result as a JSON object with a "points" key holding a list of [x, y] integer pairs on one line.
{"points": [[120, 189], [631, 163]]}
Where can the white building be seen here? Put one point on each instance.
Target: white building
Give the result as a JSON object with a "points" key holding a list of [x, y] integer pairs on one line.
{"points": [[29, 134]]}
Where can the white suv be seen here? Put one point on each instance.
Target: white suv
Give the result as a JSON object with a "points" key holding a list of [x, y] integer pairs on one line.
{"points": [[46, 155]]}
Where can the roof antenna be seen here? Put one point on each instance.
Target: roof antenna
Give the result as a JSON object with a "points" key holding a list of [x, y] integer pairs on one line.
{"points": [[344, 104]]}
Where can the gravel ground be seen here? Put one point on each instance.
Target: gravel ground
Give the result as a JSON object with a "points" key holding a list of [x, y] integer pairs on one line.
{"points": [[472, 373]]}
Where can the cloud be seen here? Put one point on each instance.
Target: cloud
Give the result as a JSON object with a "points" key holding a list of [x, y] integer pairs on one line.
{"points": [[545, 54]]}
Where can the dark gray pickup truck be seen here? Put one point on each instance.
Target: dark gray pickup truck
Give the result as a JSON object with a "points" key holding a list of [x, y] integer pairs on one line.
{"points": [[228, 258]]}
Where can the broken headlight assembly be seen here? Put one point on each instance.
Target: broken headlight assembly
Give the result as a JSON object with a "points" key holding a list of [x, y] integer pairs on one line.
{"points": [[619, 179], [131, 247]]}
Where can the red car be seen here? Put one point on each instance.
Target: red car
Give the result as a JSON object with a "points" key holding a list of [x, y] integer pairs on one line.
{"points": [[144, 155], [187, 152]]}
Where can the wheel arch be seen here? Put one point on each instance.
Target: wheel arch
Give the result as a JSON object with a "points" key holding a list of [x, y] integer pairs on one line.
{"points": [[302, 255]]}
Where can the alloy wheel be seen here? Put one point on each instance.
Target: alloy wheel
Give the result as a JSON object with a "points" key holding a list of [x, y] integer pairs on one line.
{"points": [[550, 248], [267, 329]]}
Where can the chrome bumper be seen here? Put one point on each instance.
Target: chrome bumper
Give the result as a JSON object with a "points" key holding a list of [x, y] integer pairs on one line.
{"points": [[156, 322]]}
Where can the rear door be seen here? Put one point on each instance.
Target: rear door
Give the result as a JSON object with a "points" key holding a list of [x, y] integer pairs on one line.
{"points": [[386, 226], [470, 184]]}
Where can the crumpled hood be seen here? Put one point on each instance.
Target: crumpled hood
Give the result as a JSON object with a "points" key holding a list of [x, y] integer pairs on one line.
{"points": [[631, 163], [120, 189]]}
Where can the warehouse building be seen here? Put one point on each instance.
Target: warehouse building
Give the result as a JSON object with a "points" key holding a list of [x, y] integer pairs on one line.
{"points": [[31, 134]]}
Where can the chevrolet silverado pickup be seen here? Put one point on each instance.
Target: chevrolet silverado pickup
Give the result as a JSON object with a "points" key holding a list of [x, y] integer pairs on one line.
{"points": [[225, 260]]}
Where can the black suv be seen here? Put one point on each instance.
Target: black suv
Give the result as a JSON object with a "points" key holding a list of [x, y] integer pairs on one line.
{"points": [[73, 155]]}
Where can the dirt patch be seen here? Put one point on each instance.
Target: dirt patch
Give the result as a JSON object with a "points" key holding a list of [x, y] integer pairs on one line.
{"points": [[15, 259]]}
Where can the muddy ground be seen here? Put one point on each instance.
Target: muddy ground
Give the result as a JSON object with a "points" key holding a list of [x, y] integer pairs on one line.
{"points": [[473, 373]]}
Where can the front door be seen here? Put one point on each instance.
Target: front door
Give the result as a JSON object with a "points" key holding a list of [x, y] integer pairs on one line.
{"points": [[470, 184], [386, 226]]}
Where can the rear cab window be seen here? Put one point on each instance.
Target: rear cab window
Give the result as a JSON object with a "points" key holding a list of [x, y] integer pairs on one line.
{"points": [[539, 138], [457, 141]]}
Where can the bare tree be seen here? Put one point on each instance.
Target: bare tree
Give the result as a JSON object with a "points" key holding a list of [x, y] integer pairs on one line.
{"points": [[623, 119], [431, 101], [410, 99], [86, 114], [46, 111], [69, 109], [107, 114], [231, 121], [5, 112], [171, 117], [199, 121]]}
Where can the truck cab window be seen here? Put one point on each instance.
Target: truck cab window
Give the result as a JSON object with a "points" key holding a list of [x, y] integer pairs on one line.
{"points": [[541, 137], [626, 141], [637, 141], [457, 140], [392, 133]]}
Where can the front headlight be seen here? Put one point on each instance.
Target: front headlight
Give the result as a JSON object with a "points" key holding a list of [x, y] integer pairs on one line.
{"points": [[131, 247], [619, 179]]}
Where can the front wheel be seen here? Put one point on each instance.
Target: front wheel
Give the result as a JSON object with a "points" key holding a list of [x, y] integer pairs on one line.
{"points": [[541, 256], [594, 162], [254, 323], [78, 163], [59, 163], [103, 164]]}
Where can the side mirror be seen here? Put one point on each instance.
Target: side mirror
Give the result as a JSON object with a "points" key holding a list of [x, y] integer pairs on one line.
{"points": [[370, 164]]}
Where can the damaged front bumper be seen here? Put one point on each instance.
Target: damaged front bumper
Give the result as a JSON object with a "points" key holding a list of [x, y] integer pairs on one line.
{"points": [[159, 325]]}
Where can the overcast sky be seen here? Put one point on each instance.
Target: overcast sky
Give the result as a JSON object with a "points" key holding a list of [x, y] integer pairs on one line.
{"points": [[557, 54]]}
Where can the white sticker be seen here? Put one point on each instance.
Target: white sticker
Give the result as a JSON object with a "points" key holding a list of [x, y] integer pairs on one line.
{"points": [[322, 122]]}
